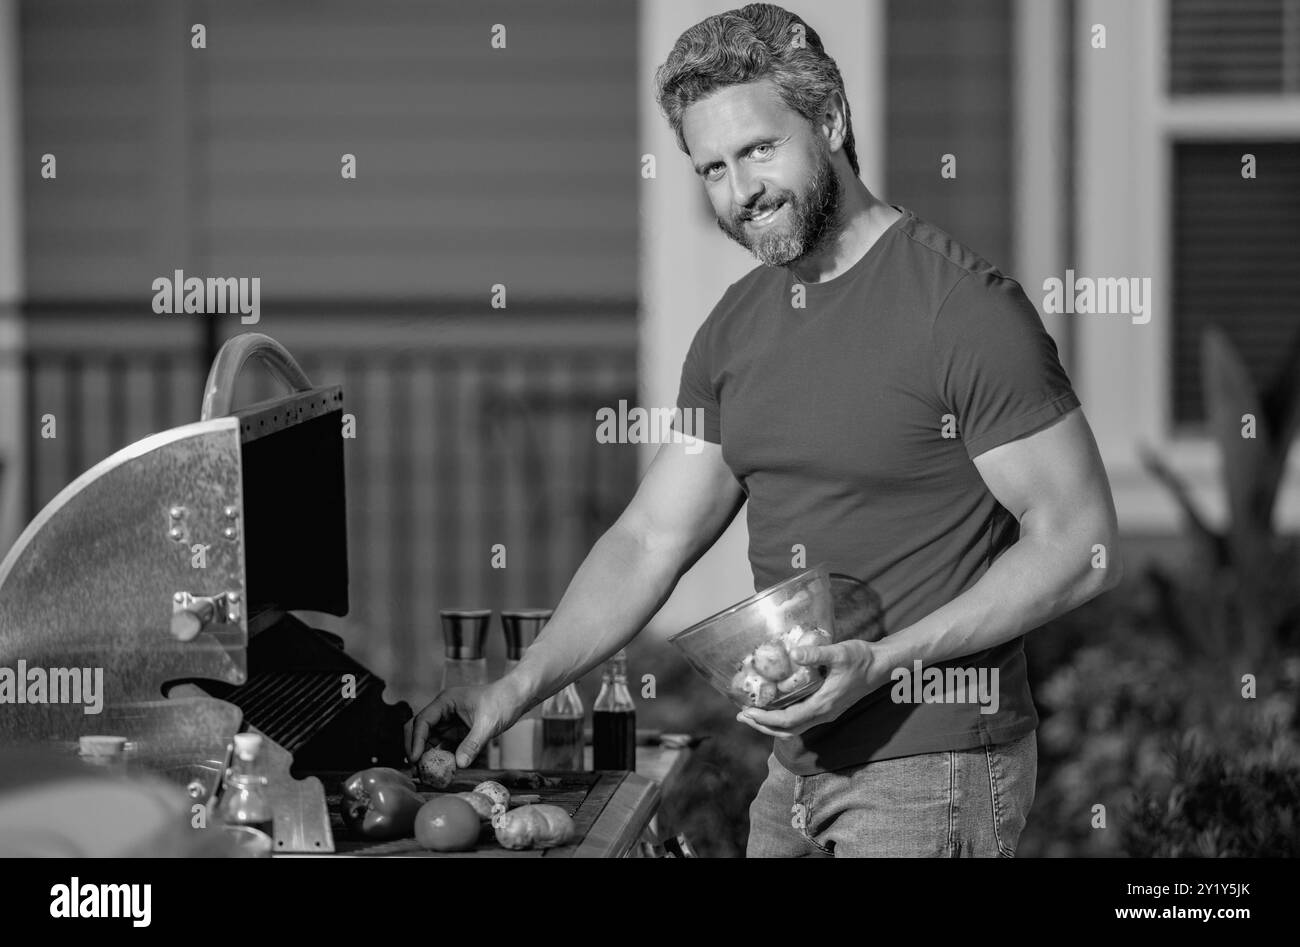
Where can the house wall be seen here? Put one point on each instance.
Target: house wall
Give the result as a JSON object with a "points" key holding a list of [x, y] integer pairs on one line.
{"points": [[11, 279]]}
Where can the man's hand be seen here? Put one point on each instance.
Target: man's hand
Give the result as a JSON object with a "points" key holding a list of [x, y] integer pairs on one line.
{"points": [[467, 716], [853, 671]]}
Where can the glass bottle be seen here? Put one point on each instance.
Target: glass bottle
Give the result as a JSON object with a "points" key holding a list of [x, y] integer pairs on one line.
{"points": [[563, 740], [244, 799], [613, 719], [464, 633], [521, 745]]}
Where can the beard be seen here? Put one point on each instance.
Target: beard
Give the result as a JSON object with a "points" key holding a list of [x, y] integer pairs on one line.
{"points": [[813, 215]]}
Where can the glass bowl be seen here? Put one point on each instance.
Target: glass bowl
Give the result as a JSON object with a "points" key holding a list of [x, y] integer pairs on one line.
{"points": [[743, 651]]}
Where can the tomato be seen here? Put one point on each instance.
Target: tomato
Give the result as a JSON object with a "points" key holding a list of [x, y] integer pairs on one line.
{"points": [[447, 824]]}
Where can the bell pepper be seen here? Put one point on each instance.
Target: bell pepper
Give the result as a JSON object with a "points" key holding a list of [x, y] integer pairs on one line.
{"points": [[380, 803]]}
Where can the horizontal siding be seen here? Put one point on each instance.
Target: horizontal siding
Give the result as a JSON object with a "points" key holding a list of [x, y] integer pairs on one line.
{"points": [[88, 85], [476, 166], [471, 160], [949, 91]]}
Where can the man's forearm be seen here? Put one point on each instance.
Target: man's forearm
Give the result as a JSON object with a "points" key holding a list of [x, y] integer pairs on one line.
{"points": [[616, 590], [1034, 581]]}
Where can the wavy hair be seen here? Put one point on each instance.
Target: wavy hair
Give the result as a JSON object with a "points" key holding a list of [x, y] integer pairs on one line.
{"points": [[757, 41]]}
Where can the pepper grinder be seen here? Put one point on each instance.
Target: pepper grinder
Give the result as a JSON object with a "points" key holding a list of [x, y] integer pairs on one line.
{"points": [[521, 745], [464, 633]]}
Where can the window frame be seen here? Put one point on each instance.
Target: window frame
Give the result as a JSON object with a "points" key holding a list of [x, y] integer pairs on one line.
{"points": [[1128, 122]]}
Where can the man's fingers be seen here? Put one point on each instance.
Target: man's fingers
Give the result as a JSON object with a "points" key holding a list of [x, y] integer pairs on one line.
{"points": [[426, 720], [751, 722], [477, 738], [780, 731], [768, 718], [419, 731], [801, 712], [792, 720], [467, 750], [817, 655]]}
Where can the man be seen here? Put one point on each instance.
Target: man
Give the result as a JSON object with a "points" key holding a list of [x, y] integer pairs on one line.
{"points": [[888, 403]]}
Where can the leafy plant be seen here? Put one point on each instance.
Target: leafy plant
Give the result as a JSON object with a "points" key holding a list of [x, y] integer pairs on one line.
{"points": [[1218, 807], [1148, 718], [708, 801], [1245, 594]]}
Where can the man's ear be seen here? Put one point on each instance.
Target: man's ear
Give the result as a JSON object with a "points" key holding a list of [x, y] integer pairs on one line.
{"points": [[834, 122]]}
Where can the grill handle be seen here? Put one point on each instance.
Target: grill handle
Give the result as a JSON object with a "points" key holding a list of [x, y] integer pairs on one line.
{"points": [[219, 390]]}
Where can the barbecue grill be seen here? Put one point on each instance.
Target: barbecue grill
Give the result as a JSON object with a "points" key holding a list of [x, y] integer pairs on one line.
{"points": [[175, 565]]}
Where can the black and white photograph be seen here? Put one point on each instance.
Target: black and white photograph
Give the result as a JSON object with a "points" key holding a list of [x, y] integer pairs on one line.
{"points": [[647, 429]]}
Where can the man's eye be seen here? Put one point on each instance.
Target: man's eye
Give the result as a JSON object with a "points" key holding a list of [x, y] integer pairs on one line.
{"points": [[763, 151], [713, 171]]}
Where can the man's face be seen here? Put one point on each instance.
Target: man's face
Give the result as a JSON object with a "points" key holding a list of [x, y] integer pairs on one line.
{"points": [[767, 172]]}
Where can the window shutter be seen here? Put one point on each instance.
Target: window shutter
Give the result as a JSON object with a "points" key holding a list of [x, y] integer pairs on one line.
{"points": [[1236, 246], [1234, 46]]}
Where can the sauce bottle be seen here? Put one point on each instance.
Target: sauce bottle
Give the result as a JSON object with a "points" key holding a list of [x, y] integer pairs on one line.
{"points": [[564, 743], [613, 720]]}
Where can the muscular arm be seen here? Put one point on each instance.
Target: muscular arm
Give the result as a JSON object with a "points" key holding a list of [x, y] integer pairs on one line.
{"points": [[686, 499], [1054, 483]]}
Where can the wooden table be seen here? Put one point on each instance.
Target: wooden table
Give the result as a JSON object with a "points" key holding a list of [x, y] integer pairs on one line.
{"points": [[657, 764]]}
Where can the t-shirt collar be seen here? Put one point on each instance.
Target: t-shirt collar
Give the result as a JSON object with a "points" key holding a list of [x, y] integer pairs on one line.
{"points": [[833, 284]]}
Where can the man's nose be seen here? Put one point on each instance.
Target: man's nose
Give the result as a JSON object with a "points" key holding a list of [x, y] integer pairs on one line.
{"points": [[744, 189]]}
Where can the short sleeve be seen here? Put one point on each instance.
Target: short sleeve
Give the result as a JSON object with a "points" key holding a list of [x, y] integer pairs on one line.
{"points": [[697, 400], [996, 367]]}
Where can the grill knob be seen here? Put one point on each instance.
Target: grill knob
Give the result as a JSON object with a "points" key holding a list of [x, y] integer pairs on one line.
{"points": [[185, 625], [189, 621]]}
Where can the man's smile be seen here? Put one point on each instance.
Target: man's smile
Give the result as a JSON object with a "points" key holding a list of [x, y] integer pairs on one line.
{"points": [[764, 218]]}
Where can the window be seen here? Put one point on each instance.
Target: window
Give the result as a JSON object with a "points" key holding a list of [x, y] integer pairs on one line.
{"points": [[1234, 46], [1236, 259], [1163, 117]]}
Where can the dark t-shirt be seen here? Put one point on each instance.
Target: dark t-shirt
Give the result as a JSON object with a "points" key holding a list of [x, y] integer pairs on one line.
{"points": [[832, 419]]}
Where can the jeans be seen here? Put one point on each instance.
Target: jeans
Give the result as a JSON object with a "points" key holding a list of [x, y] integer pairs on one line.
{"points": [[953, 804]]}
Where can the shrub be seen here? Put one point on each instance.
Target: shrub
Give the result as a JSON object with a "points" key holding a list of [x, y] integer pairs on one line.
{"points": [[1218, 807], [708, 800]]}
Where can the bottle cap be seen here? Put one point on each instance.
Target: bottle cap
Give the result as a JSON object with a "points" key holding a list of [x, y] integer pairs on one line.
{"points": [[464, 632], [247, 745], [522, 627]]}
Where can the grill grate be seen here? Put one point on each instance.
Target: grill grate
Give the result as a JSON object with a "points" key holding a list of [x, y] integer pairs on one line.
{"points": [[292, 706]]}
